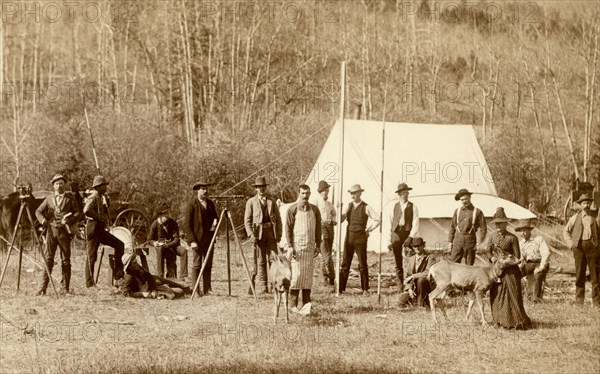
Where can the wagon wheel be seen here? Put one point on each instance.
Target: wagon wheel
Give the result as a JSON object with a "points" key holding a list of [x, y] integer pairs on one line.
{"points": [[135, 221]]}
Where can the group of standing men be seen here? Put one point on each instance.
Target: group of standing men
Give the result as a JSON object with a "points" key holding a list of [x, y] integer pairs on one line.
{"points": [[310, 231]]}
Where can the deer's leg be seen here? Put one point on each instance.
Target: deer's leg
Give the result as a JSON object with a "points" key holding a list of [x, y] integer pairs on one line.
{"points": [[471, 302], [433, 296], [276, 305], [479, 296], [286, 294]]}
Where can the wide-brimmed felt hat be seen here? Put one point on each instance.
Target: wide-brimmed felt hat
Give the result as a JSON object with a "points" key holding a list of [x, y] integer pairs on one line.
{"points": [[524, 225], [201, 183], [260, 181], [322, 186], [99, 180], [58, 177], [500, 216], [417, 241], [403, 187], [462, 192], [584, 197], [162, 209], [355, 188]]}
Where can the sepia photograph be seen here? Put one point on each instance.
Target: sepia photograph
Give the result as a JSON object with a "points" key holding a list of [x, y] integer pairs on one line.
{"points": [[299, 186]]}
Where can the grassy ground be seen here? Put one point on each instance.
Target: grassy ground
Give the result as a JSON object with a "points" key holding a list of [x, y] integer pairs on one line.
{"points": [[94, 331]]}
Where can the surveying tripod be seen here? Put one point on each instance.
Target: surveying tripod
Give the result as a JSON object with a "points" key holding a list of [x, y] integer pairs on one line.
{"points": [[24, 197]]}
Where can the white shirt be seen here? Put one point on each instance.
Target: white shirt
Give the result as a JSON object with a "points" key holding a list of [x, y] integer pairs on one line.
{"points": [[371, 213], [535, 249], [414, 231], [328, 212]]}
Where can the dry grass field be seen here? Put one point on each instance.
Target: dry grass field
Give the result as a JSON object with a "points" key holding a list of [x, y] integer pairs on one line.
{"points": [[94, 331]]}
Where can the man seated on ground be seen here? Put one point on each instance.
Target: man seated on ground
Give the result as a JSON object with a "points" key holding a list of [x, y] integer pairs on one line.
{"points": [[416, 284], [534, 261], [139, 283]]}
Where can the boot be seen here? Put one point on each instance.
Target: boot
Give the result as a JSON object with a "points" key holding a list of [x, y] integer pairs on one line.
{"points": [[195, 273], [66, 276]]}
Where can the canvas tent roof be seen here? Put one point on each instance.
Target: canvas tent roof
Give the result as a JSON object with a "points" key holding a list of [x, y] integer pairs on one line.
{"points": [[435, 160]]}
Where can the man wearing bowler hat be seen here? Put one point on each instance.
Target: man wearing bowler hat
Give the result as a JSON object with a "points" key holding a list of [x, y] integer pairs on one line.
{"points": [[263, 226], [199, 224], [581, 234], [535, 255], [416, 285], [467, 222], [404, 227], [56, 213], [96, 212], [357, 235], [328, 217]]}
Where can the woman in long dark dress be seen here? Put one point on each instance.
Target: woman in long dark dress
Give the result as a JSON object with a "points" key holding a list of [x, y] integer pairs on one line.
{"points": [[506, 298]]}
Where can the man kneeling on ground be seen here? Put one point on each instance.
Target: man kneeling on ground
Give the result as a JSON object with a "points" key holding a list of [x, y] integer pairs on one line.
{"points": [[139, 283], [416, 285]]}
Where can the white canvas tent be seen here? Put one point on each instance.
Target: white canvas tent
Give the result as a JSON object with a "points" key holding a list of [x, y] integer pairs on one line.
{"points": [[435, 160]]}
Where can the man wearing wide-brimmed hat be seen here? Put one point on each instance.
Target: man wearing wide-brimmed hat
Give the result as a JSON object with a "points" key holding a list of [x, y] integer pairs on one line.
{"points": [[164, 236], [199, 224], [404, 226], [467, 229], [582, 234], [96, 212], [263, 226], [328, 221], [56, 213], [535, 257], [358, 215]]}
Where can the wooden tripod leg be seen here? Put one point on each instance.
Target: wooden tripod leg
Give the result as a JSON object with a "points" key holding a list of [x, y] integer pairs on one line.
{"points": [[210, 248], [237, 240], [37, 241], [99, 265], [12, 242]]}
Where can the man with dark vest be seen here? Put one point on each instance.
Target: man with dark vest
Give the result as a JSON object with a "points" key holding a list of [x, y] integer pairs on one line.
{"points": [[56, 213], [199, 224], [263, 226], [357, 234], [96, 212], [581, 234], [467, 222], [405, 226]]}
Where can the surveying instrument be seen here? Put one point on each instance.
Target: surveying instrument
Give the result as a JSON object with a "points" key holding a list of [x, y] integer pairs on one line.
{"points": [[24, 197], [228, 220]]}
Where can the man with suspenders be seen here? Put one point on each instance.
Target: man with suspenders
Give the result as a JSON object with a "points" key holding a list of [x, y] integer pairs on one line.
{"points": [[466, 222]]}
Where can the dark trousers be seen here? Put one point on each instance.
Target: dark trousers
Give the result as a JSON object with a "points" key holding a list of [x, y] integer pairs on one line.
{"points": [[326, 247], [200, 255], [101, 236], [167, 258], [422, 288], [355, 243], [464, 246], [398, 238], [55, 238], [294, 295], [586, 254], [535, 282], [262, 259]]}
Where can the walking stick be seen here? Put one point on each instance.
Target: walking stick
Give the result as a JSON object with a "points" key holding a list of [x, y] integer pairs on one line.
{"points": [[208, 252]]}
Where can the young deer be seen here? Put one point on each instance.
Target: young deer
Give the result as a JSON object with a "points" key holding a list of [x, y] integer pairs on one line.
{"points": [[280, 275], [476, 280]]}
